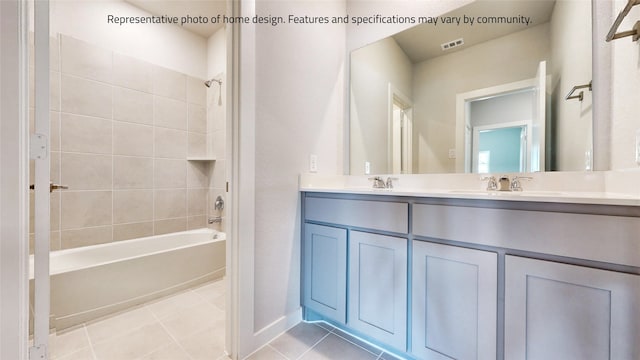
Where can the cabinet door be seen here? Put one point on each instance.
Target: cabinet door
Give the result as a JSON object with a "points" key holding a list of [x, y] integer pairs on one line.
{"points": [[325, 271], [560, 311], [454, 302], [378, 287]]}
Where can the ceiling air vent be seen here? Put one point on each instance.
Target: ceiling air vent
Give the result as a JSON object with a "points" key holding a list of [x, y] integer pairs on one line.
{"points": [[451, 44]]}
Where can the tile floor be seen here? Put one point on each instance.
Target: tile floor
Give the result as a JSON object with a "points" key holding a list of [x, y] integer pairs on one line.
{"points": [[190, 325], [319, 341]]}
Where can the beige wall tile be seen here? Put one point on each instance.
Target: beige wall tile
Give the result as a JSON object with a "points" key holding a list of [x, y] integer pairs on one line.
{"points": [[86, 134], [86, 171], [85, 236], [196, 91], [131, 206], [85, 209], [170, 174], [54, 164], [54, 136], [54, 241], [170, 204], [196, 222], [197, 119], [132, 231], [132, 172], [218, 144], [54, 91], [132, 139], [85, 97], [54, 53], [54, 210], [197, 145], [196, 202], [169, 226], [132, 106], [169, 83], [198, 174], [82, 59], [132, 73], [217, 175], [170, 143], [169, 113]]}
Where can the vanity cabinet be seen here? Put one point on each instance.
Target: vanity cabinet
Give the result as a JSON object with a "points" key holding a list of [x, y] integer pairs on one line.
{"points": [[454, 302], [431, 278], [325, 271], [561, 311], [378, 287]]}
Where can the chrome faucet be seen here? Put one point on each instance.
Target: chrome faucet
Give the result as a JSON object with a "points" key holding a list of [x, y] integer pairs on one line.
{"points": [[389, 183], [492, 182], [378, 183], [515, 182]]}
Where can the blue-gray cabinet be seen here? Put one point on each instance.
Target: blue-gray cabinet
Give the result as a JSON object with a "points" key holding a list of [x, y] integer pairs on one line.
{"points": [[454, 302], [378, 287], [325, 271]]}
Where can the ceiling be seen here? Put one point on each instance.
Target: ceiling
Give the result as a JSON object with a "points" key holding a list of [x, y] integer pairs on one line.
{"points": [[180, 8], [422, 42]]}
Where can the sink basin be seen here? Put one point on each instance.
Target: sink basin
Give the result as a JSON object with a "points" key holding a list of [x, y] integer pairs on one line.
{"points": [[508, 193]]}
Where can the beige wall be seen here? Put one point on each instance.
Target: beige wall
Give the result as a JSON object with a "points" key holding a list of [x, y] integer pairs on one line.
{"points": [[372, 68], [570, 65], [439, 80], [121, 132], [299, 92]]}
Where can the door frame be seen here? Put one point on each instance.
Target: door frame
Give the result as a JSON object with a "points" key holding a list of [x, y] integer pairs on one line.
{"points": [[14, 178], [463, 101], [396, 96]]}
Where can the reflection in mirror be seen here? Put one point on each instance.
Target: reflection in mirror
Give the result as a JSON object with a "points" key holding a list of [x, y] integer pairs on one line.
{"points": [[417, 107]]}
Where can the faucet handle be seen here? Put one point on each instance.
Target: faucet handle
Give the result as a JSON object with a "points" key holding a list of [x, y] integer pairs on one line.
{"points": [[390, 180], [492, 182], [378, 183], [515, 182]]}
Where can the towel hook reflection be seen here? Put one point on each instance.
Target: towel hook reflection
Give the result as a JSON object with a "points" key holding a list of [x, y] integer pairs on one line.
{"points": [[580, 96]]}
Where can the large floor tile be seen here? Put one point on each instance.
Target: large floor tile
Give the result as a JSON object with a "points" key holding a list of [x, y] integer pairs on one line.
{"points": [[170, 352], [267, 353], [68, 342], [127, 321], [298, 340], [334, 347], [134, 344], [186, 322], [205, 345]]}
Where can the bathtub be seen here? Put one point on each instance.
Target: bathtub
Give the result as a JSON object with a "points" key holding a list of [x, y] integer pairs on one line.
{"points": [[94, 281]]}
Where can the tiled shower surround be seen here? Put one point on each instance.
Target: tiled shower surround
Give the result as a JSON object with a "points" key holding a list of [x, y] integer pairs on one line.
{"points": [[122, 131]]}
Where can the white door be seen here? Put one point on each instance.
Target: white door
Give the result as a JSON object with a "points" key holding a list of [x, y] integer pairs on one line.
{"points": [[39, 152]]}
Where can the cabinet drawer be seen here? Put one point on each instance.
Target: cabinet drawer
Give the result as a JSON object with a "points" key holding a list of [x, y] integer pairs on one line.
{"points": [[377, 215], [611, 239]]}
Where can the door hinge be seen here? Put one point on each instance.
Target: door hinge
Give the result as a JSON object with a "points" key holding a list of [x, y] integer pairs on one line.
{"points": [[38, 149], [38, 352]]}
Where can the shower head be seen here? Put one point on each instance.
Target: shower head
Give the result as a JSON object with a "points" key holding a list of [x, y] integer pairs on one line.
{"points": [[209, 82]]}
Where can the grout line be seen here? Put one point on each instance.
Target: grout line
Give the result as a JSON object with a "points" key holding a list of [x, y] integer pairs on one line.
{"points": [[169, 333], [314, 345], [277, 352], [86, 333], [366, 342]]}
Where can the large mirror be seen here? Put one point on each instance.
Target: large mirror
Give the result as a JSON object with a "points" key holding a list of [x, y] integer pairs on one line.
{"points": [[485, 97]]}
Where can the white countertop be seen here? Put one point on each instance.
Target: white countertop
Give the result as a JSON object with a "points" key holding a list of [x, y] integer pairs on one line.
{"points": [[585, 188]]}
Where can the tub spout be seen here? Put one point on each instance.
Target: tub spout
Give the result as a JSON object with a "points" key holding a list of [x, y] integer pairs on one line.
{"points": [[217, 219]]}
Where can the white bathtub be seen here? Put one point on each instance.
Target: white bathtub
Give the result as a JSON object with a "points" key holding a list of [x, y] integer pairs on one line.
{"points": [[93, 281]]}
